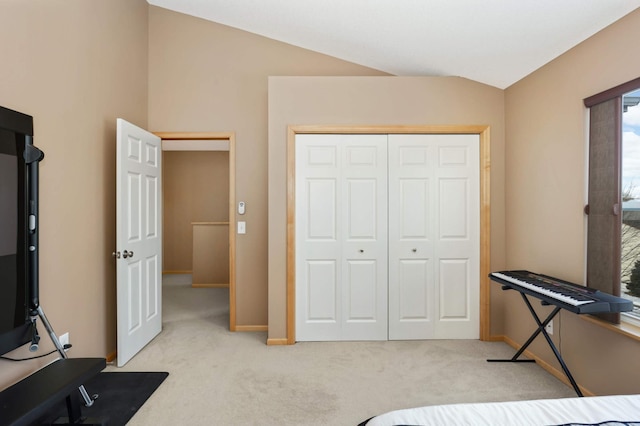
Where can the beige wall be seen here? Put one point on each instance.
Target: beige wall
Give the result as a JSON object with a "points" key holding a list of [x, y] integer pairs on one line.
{"points": [[373, 101], [75, 66], [546, 147], [195, 189], [205, 77]]}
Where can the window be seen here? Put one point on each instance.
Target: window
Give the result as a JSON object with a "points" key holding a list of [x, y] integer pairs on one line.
{"points": [[610, 241], [630, 195]]}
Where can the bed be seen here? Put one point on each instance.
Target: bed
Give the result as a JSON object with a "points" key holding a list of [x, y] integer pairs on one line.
{"points": [[598, 410]]}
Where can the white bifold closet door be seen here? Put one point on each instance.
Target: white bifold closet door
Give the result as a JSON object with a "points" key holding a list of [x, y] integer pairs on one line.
{"points": [[434, 237], [387, 237], [341, 237]]}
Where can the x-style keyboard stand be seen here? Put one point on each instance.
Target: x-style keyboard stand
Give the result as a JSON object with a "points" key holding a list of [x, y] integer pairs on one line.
{"points": [[540, 329]]}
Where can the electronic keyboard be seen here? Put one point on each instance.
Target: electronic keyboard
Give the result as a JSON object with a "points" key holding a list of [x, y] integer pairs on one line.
{"points": [[573, 297]]}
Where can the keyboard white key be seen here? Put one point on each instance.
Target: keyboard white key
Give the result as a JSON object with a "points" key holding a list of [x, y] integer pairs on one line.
{"points": [[555, 295]]}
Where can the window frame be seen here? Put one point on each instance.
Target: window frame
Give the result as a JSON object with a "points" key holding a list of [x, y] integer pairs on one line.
{"points": [[611, 284]]}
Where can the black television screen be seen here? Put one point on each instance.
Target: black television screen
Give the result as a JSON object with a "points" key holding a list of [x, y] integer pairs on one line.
{"points": [[15, 132]]}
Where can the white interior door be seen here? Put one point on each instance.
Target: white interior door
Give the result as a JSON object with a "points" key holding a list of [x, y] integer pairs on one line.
{"points": [[341, 245], [434, 237], [138, 238]]}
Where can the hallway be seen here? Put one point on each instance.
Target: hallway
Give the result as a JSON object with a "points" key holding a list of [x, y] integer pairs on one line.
{"points": [[182, 302]]}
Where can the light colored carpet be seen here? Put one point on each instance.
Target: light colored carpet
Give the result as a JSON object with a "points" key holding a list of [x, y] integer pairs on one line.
{"points": [[221, 378]]}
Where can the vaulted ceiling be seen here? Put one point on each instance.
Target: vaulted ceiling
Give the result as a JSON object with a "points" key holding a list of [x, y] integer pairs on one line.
{"points": [[496, 42]]}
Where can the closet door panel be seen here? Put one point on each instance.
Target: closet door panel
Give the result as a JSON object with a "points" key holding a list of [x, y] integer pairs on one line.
{"points": [[415, 290], [364, 219], [361, 210], [434, 218], [361, 283], [321, 210], [318, 246], [341, 199], [321, 289], [457, 237], [453, 209], [454, 289], [411, 213]]}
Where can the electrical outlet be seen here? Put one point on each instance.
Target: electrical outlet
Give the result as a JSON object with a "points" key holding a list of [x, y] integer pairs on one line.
{"points": [[549, 327], [64, 339]]}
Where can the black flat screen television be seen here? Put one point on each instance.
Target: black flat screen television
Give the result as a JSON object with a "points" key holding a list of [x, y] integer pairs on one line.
{"points": [[18, 285]]}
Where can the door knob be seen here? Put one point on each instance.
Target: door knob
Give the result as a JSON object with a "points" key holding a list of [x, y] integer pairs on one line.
{"points": [[116, 254], [126, 254]]}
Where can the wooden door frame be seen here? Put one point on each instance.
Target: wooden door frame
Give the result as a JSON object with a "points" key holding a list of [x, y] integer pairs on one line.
{"points": [[485, 205], [231, 138]]}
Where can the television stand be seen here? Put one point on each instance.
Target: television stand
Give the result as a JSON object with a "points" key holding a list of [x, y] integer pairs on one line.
{"points": [[28, 400], [88, 401]]}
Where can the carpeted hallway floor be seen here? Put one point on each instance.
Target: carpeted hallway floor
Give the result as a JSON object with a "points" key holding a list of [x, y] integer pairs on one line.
{"points": [[223, 378]]}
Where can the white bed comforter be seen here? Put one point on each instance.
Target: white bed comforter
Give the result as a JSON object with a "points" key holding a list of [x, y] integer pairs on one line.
{"points": [[620, 409]]}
